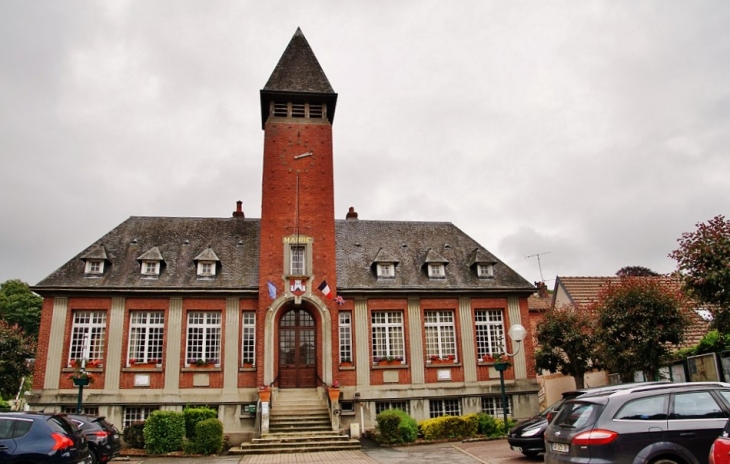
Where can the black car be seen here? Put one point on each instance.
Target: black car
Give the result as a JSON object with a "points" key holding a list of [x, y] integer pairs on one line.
{"points": [[671, 423], [528, 436], [104, 439], [41, 438]]}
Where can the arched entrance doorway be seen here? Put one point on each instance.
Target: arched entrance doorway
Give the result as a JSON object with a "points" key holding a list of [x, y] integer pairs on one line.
{"points": [[297, 350]]}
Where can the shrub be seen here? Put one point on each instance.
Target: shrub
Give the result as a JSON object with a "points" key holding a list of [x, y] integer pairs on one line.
{"points": [[445, 427], [209, 436], [164, 432], [195, 415], [134, 435], [4, 406], [396, 426]]}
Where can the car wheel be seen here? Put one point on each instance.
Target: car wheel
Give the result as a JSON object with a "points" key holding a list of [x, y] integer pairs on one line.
{"points": [[665, 461], [530, 454], [92, 455]]}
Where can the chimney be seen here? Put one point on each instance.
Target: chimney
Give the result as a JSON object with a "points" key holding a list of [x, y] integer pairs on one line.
{"points": [[351, 214], [542, 290], [239, 211]]}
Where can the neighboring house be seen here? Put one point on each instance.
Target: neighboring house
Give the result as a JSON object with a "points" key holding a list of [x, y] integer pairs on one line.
{"points": [[190, 311], [581, 293]]}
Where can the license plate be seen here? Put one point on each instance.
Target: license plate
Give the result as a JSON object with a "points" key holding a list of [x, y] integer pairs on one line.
{"points": [[560, 447], [516, 448]]}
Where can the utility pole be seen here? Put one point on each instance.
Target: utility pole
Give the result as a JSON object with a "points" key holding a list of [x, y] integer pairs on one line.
{"points": [[539, 264]]}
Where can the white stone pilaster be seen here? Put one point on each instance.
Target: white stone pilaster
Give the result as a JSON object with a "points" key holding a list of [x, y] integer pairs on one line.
{"points": [[519, 361], [416, 358], [232, 331], [362, 340], [468, 344], [114, 345], [174, 340], [54, 363]]}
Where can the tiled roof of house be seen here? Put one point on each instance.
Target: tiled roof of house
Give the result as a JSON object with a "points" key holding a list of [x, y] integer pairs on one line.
{"points": [[583, 291], [235, 241]]}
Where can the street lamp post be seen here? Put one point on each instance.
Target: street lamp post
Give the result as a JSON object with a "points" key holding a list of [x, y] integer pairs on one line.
{"points": [[517, 333]]}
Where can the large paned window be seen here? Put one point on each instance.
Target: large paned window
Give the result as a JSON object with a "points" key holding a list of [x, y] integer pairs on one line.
{"points": [[204, 337], [446, 407], [346, 336], [134, 414], [490, 332], [492, 405], [91, 326], [146, 332], [387, 329], [440, 334], [381, 406], [248, 350]]}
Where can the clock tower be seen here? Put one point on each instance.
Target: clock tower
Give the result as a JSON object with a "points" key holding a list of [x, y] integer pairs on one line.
{"points": [[297, 236]]}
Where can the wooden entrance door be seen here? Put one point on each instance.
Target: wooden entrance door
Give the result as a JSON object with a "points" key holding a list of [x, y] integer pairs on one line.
{"points": [[297, 350]]}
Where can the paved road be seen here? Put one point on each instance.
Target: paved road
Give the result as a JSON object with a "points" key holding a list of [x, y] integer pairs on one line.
{"points": [[485, 452]]}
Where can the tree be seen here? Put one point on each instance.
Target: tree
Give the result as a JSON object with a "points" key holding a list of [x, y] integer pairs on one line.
{"points": [[636, 271], [16, 349], [703, 261], [566, 343], [638, 319], [19, 305]]}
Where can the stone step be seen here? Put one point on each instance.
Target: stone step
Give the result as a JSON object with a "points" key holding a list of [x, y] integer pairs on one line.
{"points": [[295, 438], [312, 433], [290, 429], [297, 447], [294, 421]]}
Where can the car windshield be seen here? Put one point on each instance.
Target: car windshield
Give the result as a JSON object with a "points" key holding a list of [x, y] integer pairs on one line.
{"points": [[577, 415]]}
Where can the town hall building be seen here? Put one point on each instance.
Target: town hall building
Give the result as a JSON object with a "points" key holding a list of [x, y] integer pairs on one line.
{"points": [[177, 311]]}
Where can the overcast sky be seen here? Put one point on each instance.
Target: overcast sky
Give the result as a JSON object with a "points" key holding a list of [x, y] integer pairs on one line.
{"points": [[596, 132]]}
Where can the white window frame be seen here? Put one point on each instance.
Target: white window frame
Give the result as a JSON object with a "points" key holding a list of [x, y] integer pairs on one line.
{"points": [[87, 322], [386, 270], [146, 336], [345, 326], [438, 407], [298, 260], [485, 270], [440, 333], [94, 266], [492, 405], [150, 268], [388, 336], [436, 271], [132, 414], [206, 268], [489, 324], [204, 336], [248, 337]]}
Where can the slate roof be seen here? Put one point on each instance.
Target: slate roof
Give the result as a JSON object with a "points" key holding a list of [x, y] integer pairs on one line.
{"points": [[299, 74], [235, 242], [583, 291]]}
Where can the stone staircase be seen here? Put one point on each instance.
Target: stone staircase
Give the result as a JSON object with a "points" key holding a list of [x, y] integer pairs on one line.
{"points": [[298, 423]]}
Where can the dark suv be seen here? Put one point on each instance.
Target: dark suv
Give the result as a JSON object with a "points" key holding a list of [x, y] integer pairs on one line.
{"points": [[528, 436], [671, 423], [41, 438], [103, 437]]}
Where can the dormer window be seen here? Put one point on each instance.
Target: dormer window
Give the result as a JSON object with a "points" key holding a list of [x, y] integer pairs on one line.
{"points": [[207, 263], [150, 263], [386, 270], [436, 271], [206, 268], [95, 261], [150, 268], [94, 266], [485, 271]]}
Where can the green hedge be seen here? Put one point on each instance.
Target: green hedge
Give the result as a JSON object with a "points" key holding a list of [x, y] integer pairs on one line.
{"points": [[195, 415], [209, 437], [396, 426], [445, 427], [164, 432]]}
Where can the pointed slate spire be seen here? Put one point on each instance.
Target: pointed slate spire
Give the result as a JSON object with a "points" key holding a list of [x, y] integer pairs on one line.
{"points": [[298, 75]]}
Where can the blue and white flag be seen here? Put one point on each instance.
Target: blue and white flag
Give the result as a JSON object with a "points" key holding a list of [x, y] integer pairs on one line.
{"points": [[272, 290]]}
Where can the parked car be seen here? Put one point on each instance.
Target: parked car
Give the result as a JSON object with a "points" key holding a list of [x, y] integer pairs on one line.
{"points": [[104, 439], [720, 449], [528, 436], [669, 423], [41, 438]]}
